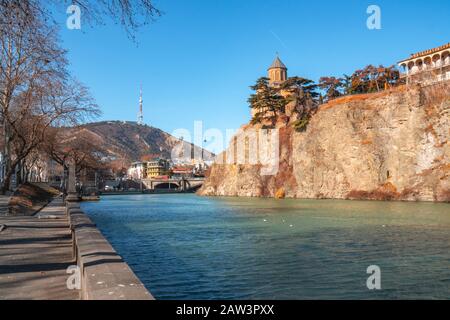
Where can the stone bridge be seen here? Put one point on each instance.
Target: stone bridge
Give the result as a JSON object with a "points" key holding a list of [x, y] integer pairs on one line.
{"points": [[186, 184]]}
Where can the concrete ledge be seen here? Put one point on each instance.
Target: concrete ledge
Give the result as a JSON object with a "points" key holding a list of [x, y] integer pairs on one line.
{"points": [[104, 275]]}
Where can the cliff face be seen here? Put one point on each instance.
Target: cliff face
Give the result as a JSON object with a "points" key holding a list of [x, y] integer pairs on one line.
{"points": [[387, 146]]}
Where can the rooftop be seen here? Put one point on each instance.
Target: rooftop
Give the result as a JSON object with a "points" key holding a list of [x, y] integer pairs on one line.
{"points": [[427, 52], [277, 64]]}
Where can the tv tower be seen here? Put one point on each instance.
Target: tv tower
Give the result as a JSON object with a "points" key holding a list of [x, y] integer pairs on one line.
{"points": [[141, 111]]}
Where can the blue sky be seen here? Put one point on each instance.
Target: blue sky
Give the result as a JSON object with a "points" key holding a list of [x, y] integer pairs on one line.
{"points": [[198, 60]]}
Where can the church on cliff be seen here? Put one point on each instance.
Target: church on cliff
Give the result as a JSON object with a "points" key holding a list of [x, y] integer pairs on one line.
{"points": [[277, 74]]}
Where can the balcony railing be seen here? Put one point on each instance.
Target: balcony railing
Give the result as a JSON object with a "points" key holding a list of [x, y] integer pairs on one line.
{"points": [[427, 69]]}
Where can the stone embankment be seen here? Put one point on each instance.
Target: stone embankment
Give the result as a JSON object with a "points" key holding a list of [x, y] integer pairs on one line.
{"points": [[36, 252], [104, 275]]}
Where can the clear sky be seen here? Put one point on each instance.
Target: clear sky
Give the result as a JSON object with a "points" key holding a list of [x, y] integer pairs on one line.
{"points": [[198, 60]]}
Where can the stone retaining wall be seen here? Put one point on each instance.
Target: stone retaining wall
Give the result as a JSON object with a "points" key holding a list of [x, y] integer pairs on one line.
{"points": [[104, 275]]}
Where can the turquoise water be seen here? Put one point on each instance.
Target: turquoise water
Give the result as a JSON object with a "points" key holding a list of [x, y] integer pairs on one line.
{"points": [[190, 247]]}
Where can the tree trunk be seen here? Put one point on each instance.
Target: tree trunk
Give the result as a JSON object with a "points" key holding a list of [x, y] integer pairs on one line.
{"points": [[7, 181], [19, 173], [64, 180], [8, 175], [27, 175], [7, 159]]}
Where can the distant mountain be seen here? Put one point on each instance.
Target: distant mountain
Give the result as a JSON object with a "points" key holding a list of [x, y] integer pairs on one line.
{"points": [[129, 142]]}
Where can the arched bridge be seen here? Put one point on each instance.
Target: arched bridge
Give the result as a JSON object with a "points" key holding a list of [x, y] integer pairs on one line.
{"points": [[186, 184]]}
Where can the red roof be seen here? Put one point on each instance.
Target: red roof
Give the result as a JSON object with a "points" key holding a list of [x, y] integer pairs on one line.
{"points": [[161, 177], [428, 52], [181, 170]]}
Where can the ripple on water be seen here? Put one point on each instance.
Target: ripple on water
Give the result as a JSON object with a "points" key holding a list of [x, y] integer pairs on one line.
{"points": [[187, 247]]}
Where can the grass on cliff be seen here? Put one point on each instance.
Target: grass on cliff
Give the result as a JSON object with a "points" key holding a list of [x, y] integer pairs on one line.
{"points": [[30, 198]]}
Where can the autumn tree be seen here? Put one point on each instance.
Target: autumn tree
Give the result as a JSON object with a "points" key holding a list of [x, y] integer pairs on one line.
{"points": [[332, 86], [374, 79], [388, 76], [366, 80], [346, 81]]}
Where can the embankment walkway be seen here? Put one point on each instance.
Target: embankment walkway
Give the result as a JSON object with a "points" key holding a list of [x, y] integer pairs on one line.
{"points": [[34, 255]]}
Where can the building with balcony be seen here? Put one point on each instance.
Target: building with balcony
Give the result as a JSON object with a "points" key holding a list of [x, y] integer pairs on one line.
{"points": [[427, 67], [157, 168]]}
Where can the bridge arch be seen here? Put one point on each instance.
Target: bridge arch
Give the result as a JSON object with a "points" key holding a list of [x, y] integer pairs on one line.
{"points": [[166, 185]]}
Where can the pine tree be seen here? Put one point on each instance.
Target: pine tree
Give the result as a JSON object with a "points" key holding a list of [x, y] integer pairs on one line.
{"points": [[267, 101]]}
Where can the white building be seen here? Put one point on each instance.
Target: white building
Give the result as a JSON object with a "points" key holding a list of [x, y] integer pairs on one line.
{"points": [[137, 171], [427, 66]]}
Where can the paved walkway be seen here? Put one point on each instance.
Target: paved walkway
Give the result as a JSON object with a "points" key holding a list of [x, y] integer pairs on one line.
{"points": [[35, 254]]}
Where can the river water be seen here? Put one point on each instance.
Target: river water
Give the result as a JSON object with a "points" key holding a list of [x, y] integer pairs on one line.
{"points": [[187, 247]]}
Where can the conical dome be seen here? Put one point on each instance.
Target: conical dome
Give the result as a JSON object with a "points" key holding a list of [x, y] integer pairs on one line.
{"points": [[277, 64]]}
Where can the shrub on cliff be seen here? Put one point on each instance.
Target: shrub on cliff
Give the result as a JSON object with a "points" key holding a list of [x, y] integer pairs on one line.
{"points": [[301, 124], [384, 192], [280, 194]]}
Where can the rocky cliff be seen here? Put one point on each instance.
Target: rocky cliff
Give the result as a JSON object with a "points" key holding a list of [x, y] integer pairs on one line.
{"points": [[392, 145]]}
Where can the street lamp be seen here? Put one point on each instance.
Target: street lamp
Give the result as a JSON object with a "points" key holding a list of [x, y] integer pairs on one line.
{"points": [[203, 149]]}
